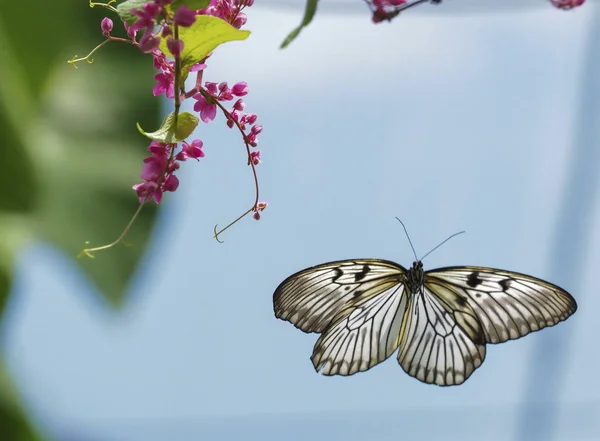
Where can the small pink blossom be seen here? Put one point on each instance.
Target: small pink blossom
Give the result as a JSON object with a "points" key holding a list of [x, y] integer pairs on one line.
{"points": [[240, 89], [240, 20], [567, 4], [197, 67], [171, 183], [239, 105], [192, 150], [255, 157], [256, 130], [145, 191], [106, 25], [149, 42], [211, 87], [164, 83], [184, 16], [153, 168], [251, 118], [208, 111], [259, 207], [175, 46]]}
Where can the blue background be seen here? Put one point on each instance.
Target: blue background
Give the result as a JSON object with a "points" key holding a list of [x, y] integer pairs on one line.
{"points": [[487, 123]]}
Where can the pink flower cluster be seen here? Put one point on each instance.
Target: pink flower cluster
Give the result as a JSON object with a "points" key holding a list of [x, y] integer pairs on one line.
{"points": [[158, 172], [382, 8], [567, 4], [229, 10], [159, 168]]}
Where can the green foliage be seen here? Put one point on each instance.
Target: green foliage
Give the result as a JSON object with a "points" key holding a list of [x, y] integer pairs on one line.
{"points": [[13, 423], [124, 10], [203, 37], [192, 4], [169, 132], [309, 13]]}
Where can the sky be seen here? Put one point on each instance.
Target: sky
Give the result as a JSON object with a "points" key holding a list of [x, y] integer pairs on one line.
{"points": [[450, 122]]}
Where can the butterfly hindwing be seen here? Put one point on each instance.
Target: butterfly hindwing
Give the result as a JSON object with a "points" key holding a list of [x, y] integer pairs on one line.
{"points": [[508, 305], [433, 347], [311, 298], [364, 333]]}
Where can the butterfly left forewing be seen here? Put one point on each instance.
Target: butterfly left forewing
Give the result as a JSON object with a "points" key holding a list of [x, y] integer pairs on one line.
{"points": [[311, 298], [508, 305]]}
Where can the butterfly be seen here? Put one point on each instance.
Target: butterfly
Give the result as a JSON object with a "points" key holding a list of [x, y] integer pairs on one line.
{"points": [[440, 320]]}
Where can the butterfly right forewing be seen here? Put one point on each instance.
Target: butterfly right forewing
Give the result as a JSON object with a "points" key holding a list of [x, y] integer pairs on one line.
{"points": [[509, 305]]}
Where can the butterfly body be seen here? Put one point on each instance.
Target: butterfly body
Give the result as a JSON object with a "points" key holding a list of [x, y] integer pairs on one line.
{"points": [[440, 321]]}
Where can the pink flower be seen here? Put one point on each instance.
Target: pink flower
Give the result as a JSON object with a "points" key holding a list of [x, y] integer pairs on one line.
{"points": [[192, 150], [145, 191], [259, 207], [224, 92], [255, 157], [207, 110], [240, 89], [149, 42], [184, 16], [158, 149], [171, 183], [567, 4], [153, 168], [239, 105], [175, 46], [106, 25], [211, 87], [164, 83], [240, 20], [251, 118], [157, 195]]}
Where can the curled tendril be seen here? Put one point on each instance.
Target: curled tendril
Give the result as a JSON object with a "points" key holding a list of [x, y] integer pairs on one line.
{"points": [[216, 235], [106, 5], [89, 252], [210, 98]]}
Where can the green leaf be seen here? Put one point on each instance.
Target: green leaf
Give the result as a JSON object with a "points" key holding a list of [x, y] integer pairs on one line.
{"points": [[309, 13], [200, 39], [192, 4], [124, 10], [71, 152], [14, 425], [15, 232], [169, 133], [91, 157]]}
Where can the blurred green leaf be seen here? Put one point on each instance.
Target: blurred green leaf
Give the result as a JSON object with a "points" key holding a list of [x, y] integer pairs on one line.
{"points": [[13, 422], [192, 4], [71, 151], [309, 13]]}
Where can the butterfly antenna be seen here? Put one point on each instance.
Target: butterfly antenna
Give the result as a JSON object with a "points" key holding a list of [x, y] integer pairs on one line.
{"points": [[455, 234], [408, 237]]}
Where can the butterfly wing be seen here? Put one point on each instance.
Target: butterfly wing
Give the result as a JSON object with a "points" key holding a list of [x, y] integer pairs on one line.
{"points": [[311, 298], [364, 333], [433, 347], [508, 305]]}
